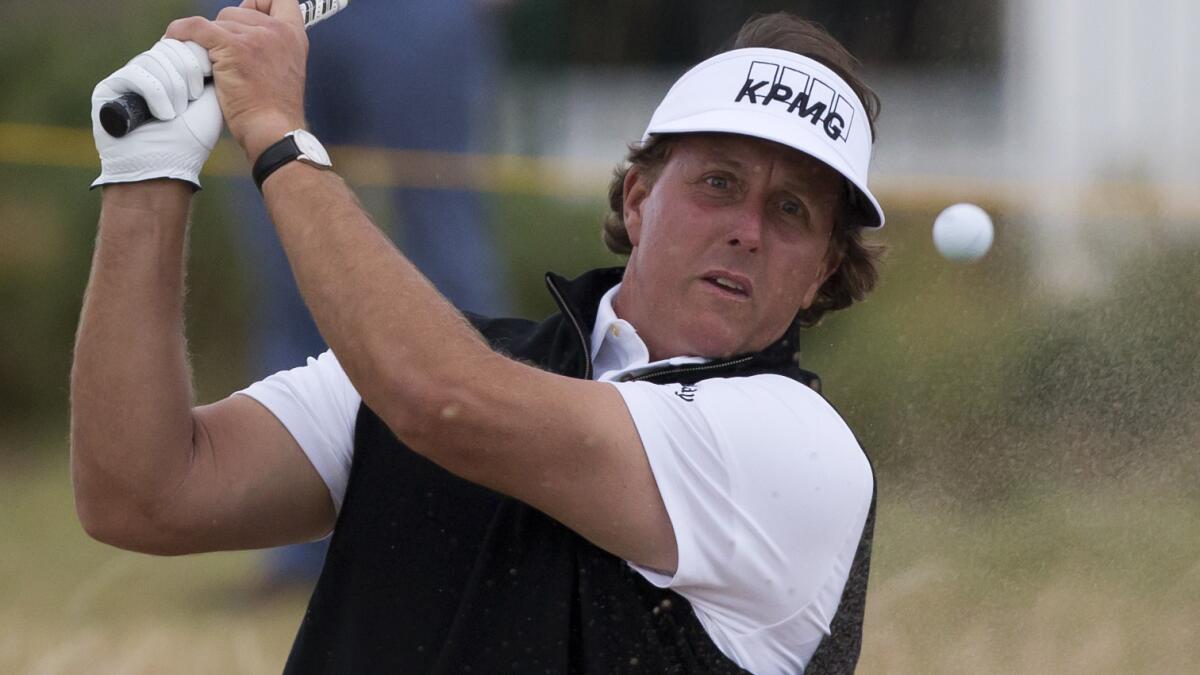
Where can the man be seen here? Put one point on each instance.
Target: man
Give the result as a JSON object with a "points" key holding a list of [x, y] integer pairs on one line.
{"points": [[641, 483]]}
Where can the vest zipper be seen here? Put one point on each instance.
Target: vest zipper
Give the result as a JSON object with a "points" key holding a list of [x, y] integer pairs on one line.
{"points": [[562, 305], [680, 371]]}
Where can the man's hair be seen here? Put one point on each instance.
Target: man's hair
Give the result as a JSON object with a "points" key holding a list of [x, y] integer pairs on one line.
{"points": [[858, 269]]}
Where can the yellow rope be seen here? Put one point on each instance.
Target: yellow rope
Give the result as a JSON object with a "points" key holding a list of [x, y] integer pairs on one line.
{"points": [[70, 147], [73, 148]]}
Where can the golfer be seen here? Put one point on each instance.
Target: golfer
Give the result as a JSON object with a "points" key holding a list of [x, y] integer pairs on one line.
{"points": [[645, 482]]}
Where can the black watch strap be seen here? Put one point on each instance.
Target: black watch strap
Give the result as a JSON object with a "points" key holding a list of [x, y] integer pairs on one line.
{"points": [[273, 158]]}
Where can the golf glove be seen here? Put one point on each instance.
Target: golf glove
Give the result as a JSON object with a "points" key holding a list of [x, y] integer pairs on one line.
{"points": [[170, 76]]}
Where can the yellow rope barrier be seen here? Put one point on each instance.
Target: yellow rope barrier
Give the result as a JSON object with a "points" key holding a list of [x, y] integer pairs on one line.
{"points": [[69, 147], [73, 148], [37, 145]]}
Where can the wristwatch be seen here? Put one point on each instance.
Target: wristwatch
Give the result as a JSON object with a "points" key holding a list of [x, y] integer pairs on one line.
{"points": [[298, 144]]}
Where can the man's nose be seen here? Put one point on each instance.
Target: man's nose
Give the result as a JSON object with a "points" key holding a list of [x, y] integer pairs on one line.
{"points": [[746, 227]]}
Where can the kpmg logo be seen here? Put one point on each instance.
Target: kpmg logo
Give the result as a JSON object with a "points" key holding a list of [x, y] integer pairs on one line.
{"points": [[769, 84]]}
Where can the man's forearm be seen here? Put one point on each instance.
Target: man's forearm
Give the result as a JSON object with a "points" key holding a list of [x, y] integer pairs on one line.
{"points": [[362, 293], [130, 386], [399, 340]]}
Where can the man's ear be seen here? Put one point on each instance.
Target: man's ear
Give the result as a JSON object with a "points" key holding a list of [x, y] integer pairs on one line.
{"points": [[830, 264], [636, 189]]}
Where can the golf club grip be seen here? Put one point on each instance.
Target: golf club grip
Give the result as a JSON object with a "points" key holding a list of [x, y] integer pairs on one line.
{"points": [[129, 111]]}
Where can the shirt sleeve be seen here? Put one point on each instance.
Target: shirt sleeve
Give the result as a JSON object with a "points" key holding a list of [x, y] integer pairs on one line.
{"points": [[768, 492], [318, 405]]}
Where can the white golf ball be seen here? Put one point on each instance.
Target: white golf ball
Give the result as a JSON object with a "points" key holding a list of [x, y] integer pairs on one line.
{"points": [[963, 232]]}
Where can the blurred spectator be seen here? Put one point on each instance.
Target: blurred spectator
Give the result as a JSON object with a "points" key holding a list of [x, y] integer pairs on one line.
{"points": [[368, 66]]}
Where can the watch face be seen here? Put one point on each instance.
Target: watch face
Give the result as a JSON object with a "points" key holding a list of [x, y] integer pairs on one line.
{"points": [[311, 147]]}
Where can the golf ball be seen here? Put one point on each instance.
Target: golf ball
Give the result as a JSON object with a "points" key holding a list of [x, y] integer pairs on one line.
{"points": [[963, 232]]}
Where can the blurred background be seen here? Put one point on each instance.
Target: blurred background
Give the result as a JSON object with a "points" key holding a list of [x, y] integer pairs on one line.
{"points": [[1033, 417]]}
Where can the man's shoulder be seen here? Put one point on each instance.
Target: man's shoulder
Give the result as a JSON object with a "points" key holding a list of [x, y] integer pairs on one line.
{"points": [[769, 410], [758, 387]]}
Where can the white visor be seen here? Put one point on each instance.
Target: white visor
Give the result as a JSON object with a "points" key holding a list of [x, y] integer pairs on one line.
{"points": [[779, 96]]}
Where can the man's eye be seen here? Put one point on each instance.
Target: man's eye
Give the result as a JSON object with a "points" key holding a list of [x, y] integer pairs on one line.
{"points": [[791, 208], [718, 182]]}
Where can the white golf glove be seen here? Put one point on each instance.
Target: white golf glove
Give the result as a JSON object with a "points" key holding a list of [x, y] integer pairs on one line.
{"points": [[170, 76]]}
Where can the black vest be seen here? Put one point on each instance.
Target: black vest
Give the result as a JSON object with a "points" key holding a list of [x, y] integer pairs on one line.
{"points": [[428, 573]]}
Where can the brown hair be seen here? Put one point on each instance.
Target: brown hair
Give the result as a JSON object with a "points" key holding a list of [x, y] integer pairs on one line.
{"points": [[858, 269]]}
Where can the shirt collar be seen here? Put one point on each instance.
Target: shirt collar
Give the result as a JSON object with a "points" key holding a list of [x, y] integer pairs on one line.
{"points": [[616, 347], [605, 317]]}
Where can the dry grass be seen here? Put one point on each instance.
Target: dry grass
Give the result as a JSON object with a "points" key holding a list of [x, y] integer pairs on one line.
{"points": [[1105, 582], [1099, 582], [71, 605]]}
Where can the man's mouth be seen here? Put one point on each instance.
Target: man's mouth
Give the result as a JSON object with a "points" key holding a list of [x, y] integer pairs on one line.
{"points": [[729, 284]]}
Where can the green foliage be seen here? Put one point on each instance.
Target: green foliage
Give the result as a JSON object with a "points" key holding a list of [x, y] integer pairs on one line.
{"points": [[45, 253], [44, 256], [1124, 365], [54, 52], [964, 382], [541, 235]]}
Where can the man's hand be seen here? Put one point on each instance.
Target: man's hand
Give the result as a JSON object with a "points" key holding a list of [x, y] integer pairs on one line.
{"points": [[258, 50], [170, 76]]}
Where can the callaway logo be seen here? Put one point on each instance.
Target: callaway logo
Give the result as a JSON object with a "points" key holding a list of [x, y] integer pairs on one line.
{"points": [[687, 393], [806, 96]]}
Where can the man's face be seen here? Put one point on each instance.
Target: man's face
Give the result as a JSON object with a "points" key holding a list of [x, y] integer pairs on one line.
{"points": [[730, 241]]}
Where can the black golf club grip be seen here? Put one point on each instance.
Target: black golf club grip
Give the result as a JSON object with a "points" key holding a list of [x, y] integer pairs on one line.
{"points": [[128, 112], [122, 115]]}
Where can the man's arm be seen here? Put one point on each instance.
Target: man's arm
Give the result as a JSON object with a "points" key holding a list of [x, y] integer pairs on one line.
{"points": [[150, 473], [564, 446]]}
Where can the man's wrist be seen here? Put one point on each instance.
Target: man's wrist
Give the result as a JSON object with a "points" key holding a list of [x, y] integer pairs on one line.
{"points": [[265, 135], [148, 195], [295, 174], [153, 208]]}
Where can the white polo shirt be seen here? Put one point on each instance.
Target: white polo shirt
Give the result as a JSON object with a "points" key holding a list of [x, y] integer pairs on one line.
{"points": [[766, 487]]}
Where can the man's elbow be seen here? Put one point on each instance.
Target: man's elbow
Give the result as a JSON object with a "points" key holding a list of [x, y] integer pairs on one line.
{"points": [[122, 525], [98, 523], [444, 427], [419, 411]]}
